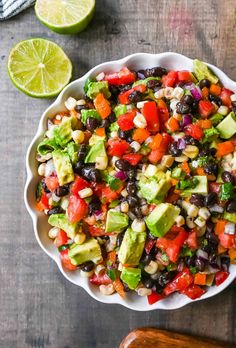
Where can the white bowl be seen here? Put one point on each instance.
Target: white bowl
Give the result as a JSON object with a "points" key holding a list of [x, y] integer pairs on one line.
{"points": [[136, 61]]}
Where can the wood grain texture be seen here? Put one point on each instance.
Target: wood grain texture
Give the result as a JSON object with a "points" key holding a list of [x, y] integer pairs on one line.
{"points": [[38, 307], [151, 338]]}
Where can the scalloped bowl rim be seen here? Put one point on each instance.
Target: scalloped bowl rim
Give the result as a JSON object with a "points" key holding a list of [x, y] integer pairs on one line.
{"points": [[140, 60]]}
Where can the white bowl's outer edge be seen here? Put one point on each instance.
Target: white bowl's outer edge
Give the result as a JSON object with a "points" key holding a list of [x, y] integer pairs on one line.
{"points": [[184, 300]]}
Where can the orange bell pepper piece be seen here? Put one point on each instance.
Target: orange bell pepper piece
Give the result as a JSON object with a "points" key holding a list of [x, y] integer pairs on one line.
{"points": [[102, 106], [224, 148]]}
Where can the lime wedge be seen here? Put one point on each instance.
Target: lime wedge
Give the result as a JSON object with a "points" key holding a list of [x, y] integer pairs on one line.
{"points": [[65, 16], [39, 68]]}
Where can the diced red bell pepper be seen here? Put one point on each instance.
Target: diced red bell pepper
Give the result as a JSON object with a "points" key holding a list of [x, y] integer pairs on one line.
{"points": [[78, 184], [184, 76], [43, 202], [194, 131], [123, 77], [225, 96], [125, 122], [170, 79], [100, 279], [192, 240], [220, 277], [149, 245], [52, 182], [77, 208], [133, 158], [180, 282], [155, 297], [97, 231], [124, 96], [151, 114], [227, 240], [156, 155], [163, 113], [193, 291], [206, 108], [117, 147], [66, 261], [61, 238]]}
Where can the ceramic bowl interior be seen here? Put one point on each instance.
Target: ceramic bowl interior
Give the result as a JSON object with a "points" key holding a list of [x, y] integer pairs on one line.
{"points": [[75, 89]]}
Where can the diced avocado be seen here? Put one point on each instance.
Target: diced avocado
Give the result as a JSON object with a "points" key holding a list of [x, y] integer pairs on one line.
{"points": [[216, 118], [61, 221], [63, 167], [97, 150], [152, 188], [72, 150], [120, 110], [227, 127], [131, 248], [46, 146], [202, 71], [95, 139], [145, 81], [131, 277], [114, 127], [231, 217], [210, 134], [116, 221], [201, 187], [94, 88], [178, 173], [88, 251], [162, 218], [89, 113], [63, 133]]}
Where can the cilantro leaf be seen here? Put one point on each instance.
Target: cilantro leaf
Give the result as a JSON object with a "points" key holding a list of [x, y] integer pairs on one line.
{"points": [[227, 191], [187, 184], [113, 182]]}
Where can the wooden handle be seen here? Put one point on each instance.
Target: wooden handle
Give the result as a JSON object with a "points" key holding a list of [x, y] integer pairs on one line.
{"points": [[155, 338]]}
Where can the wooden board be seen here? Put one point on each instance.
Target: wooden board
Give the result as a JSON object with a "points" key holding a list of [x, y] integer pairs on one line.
{"points": [[38, 307]]}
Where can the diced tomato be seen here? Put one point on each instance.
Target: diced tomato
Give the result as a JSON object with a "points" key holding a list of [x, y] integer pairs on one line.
{"points": [[225, 96], [61, 238], [66, 261], [151, 114], [77, 208], [117, 147], [78, 184], [170, 79], [194, 131], [206, 108], [125, 121], [156, 155], [124, 96], [155, 297], [97, 231], [133, 158], [43, 202], [180, 282], [227, 240], [123, 77], [100, 279], [184, 76], [102, 106], [105, 193], [149, 245], [192, 240], [163, 113], [220, 277], [193, 291], [52, 182]]}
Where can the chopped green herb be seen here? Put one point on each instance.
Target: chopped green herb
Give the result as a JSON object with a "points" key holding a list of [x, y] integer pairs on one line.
{"points": [[164, 257], [171, 267], [210, 134], [63, 247], [186, 252], [187, 184], [178, 173], [39, 191], [114, 127], [111, 274], [114, 204], [227, 191], [114, 183], [193, 269]]}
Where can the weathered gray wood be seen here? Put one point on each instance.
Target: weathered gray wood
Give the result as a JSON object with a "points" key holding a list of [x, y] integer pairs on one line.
{"points": [[38, 307]]}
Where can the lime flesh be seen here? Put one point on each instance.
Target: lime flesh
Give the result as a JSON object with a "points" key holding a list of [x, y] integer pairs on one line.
{"points": [[39, 68], [65, 16]]}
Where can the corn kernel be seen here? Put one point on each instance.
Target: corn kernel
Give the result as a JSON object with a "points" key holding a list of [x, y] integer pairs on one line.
{"points": [[140, 121], [86, 192], [191, 151], [78, 136]]}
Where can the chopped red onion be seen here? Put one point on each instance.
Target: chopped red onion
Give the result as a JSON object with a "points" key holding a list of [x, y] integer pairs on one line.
{"points": [[216, 209], [189, 86], [230, 228], [202, 254], [55, 198], [121, 175], [196, 93], [98, 212], [181, 144], [186, 120]]}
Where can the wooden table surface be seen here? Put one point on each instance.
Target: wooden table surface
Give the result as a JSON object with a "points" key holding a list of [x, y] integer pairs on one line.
{"points": [[38, 307]]}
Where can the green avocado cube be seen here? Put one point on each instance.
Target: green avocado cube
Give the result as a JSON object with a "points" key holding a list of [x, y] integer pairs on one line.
{"points": [[94, 88], [152, 189], [63, 133], [202, 71], [231, 217], [63, 167], [88, 251], [116, 221], [120, 109], [72, 150], [131, 277], [131, 248], [201, 187], [97, 150], [62, 222], [227, 127], [162, 218]]}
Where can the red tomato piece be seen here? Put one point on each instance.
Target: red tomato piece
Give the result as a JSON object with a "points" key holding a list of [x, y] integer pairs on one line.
{"points": [[170, 79], [133, 158], [123, 77], [194, 131], [225, 96], [77, 208], [206, 108], [61, 238], [52, 182], [78, 184], [220, 277], [193, 291], [192, 240], [124, 96], [66, 262], [97, 231], [180, 282], [151, 114], [184, 76], [155, 297], [227, 240], [44, 200], [100, 279], [156, 155], [117, 147], [125, 121]]}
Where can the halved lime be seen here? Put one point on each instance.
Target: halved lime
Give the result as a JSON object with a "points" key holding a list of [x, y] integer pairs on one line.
{"points": [[65, 16], [39, 68]]}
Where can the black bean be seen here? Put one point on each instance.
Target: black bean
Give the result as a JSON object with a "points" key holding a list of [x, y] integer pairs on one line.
{"points": [[225, 263], [148, 283], [153, 83], [87, 266], [164, 279], [204, 83], [55, 210], [146, 259], [91, 173], [234, 107], [174, 150], [82, 152], [183, 108], [191, 141], [105, 123], [197, 199], [94, 205], [200, 264], [131, 188], [114, 90], [135, 96], [158, 288], [78, 108], [227, 177], [187, 99], [112, 117], [122, 165], [119, 239], [138, 212], [131, 173], [213, 151], [204, 152], [129, 140], [231, 207], [78, 167], [124, 134], [62, 191], [126, 288], [211, 199], [212, 259], [154, 251], [44, 186], [212, 238], [156, 72], [141, 74], [215, 99], [124, 88], [209, 226], [132, 201], [92, 123], [211, 168], [190, 261], [195, 106]]}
